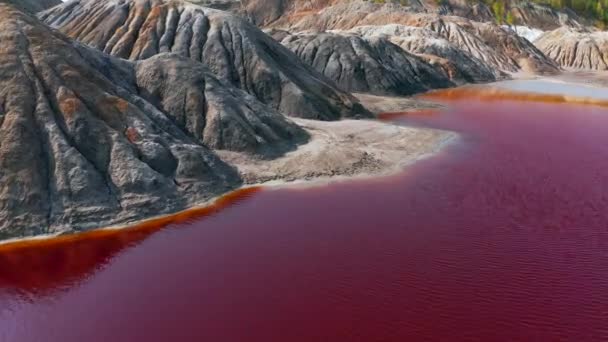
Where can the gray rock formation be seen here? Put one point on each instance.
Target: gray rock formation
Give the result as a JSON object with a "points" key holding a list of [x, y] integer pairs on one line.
{"points": [[521, 53], [88, 140], [236, 51], [224, 5], [577, 48], [369, 65], [543, 17], [465, 39], [458, 64], [498, 48]]}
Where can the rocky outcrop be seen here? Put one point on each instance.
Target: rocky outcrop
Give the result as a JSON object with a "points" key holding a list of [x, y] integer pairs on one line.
{"points": [[531, 34], [576, 48], [340, 13], [542, 17], [462, 35], [224, 5], [217, 116], [498, 48], [300, 13], [235, 51], [266, 12], [467, 44], [368, 65], [89, 140], [458, 64], [337, 15], [521, 53]]}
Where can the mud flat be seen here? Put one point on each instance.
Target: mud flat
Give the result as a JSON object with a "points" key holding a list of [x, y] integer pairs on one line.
{"points": [[346, 149]]}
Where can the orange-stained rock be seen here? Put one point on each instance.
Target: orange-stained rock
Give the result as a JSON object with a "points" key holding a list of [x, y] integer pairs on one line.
{"points": [[88, 140]]}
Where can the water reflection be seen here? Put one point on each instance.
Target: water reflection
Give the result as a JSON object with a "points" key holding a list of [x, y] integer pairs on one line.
{"points": [[494, 94], [501, 237], [38, 266], [555, 88]]}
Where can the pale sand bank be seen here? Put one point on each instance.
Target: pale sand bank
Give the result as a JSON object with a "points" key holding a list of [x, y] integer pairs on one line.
{"points": [[343, 149]]}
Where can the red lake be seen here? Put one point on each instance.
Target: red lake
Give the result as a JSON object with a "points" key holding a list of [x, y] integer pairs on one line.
{"points": [[501, 236]]}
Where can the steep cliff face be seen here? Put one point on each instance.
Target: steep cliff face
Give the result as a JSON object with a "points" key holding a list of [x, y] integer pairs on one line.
{"points": [[576, 48], [236, 52], [370, 65], [88, 140]]}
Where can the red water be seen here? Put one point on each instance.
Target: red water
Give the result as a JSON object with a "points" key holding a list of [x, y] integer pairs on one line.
{"points": [[503, 236]]}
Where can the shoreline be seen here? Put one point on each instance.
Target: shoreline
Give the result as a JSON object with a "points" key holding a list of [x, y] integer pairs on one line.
{"points": [[440, 140], [217, 203]]}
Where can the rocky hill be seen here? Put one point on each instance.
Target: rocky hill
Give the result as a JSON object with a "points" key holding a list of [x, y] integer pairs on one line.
{"points": [[577, 48], [468, 26], [88, 140], [225, 5], [236, 52], [544, 17], [460, 66], [278, 13], [495, 46], [365, 64]]}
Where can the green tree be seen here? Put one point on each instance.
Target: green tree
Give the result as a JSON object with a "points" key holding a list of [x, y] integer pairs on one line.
{"points": [[510, 18], [498, 8]]}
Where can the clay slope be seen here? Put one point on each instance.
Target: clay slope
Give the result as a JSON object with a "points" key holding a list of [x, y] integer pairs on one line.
{"points": [[279, 13], [497, 48], [236, 51], [458, 64], [461, 34], [282, 13], [224, 5], [88, 140], [543, 17], [576, 48], [522, 54], [369, 65]]}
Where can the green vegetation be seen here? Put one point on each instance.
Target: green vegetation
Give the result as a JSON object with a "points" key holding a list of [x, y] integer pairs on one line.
{"points": [[596, 10]]}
